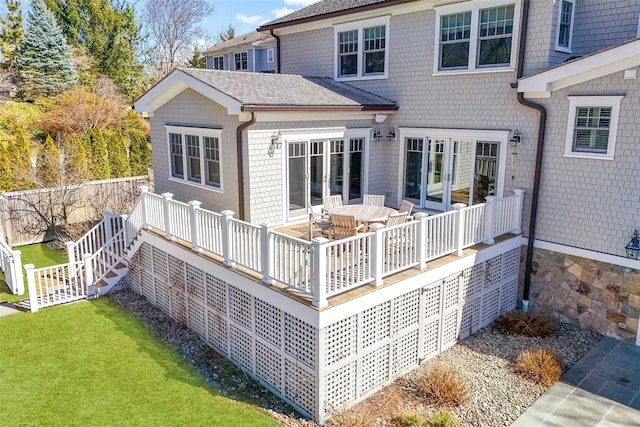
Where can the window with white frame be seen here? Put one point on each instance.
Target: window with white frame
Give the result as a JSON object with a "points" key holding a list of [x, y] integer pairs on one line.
{"points": [[476, 37], [241, 61], [194, 155], [270, 55], [218, 62], [362, 49], [592, 127], [565, 26]]}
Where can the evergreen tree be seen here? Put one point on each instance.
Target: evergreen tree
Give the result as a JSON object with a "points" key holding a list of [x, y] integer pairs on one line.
{"points": [[12, 33], [227, 33], [44, 63], [18, 164], [118, 158], [99, 166], [48, 166], [76, 166], [139, 154], [197, 60], [5, 182]]}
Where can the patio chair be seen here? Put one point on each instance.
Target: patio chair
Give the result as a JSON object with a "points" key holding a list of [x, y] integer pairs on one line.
{"points": [[396, 219], [344, 226], [373, 200], [330, 202], [317, 223], [406, 207]]}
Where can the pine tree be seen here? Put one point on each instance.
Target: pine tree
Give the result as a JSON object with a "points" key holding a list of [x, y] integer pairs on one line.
{"points": [[118, 158], [44, 62], [99, 166], [197, 60], [139, 154], [5, 182], [12, 33], [76, 166], [48, 166], [18, 164]]}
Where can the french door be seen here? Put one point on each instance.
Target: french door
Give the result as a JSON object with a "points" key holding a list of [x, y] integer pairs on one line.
{"points": [[321, 167]]}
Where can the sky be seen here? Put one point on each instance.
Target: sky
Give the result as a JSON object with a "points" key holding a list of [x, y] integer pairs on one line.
{"points": [[247, 15]]}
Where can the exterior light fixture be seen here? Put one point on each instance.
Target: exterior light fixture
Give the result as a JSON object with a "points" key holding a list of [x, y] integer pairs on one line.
{"points": [[380, 117], [516, 138], [633, 247], [391, 136], [276, 143], [377, 135]]}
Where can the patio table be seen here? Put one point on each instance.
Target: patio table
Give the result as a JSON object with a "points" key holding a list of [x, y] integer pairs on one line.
{"points": [[364, 213]]}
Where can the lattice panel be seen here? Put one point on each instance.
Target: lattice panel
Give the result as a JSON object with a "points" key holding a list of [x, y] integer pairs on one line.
{"points": [[176, 272], [340, 387], [300, 386], [268, 365], [511, 263], [405, 310], [134, 273], [374, 369], [300, 340], [405, 354], [162, 296], [490, 306], [431, 297], [508, 296], [450, 292], [450, 329], [376, 323], [195, 283], [476, 281], [217, 332], [146, 279], [340, 340], [241, 348], [240, 307], [160, 264], [178, 308], [198, 318], [431, 343], [492, 271], [216, 294], [470, 318], [268, 322]]}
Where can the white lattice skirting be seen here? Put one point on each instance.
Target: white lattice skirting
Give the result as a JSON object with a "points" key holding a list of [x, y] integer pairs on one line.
{"points": [[322, 360]]}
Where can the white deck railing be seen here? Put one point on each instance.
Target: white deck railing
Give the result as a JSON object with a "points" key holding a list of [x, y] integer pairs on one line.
{"points": [[11, 265], [57, 284]]}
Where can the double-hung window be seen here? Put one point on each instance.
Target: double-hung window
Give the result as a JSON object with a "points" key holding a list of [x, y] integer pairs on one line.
{"points": [[194, 155], [362, 49], [241, 61], [592, 126], [477, 37], [565, 26], [270, 55], [218, 62]]}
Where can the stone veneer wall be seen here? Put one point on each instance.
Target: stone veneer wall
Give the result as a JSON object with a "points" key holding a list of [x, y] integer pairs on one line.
{"points": [[587, 293]]}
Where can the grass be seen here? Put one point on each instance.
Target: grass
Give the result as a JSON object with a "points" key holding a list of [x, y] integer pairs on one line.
{"points": [[539, 365], [90, 363], [38, 254], [441, 385]]}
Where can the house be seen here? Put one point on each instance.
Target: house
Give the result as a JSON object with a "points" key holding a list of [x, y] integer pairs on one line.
{"points": [[453, 105], [255, 52]]}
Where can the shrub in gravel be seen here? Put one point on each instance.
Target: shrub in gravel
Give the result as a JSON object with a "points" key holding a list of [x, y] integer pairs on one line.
{"points": [[356, 416], [540, 365], [443, 419], [442, 385], [520, 323]]}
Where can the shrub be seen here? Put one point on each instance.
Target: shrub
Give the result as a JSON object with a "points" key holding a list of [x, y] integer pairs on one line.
{"points": [[442, 385], [443, 419], [539, 365], [356, 416], [405, 418], [520, 323]]}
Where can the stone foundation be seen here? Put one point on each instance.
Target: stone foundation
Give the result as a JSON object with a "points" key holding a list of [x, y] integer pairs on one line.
{"points": [[587, 293]]}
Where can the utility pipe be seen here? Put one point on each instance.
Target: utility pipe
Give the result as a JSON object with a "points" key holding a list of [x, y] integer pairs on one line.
{"points": [[240, 164], [273, 34]]}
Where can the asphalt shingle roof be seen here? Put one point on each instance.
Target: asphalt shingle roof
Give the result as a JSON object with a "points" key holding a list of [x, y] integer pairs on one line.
{"points": [[284, 91], [251, 38]]}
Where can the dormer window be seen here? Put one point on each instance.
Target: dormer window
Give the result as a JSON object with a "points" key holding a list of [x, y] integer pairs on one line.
{"points": [[361, 49], [565, 26]]}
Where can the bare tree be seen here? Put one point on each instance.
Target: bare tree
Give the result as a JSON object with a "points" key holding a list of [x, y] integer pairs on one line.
{"points": [[173, 26]]}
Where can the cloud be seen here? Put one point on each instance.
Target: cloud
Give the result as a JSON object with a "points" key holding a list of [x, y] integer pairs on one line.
{"points": [[277, 13], [300, 2], [249, 19]]}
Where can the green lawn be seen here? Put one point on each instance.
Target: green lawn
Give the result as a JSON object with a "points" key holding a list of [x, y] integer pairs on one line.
{"points": [[40, 255], [90, 363]]}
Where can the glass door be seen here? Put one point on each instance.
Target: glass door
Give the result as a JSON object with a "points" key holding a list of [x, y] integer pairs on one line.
{"points": [[296, 177]]}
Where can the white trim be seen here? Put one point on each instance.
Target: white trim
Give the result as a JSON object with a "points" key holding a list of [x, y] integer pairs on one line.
{"points": [[240, 52], [213, 62], [565, 49], [474, 8], [585, 253], [272, 55], [199, 132], [592, 101], [306, 116], [581, 70], [359, 26]]}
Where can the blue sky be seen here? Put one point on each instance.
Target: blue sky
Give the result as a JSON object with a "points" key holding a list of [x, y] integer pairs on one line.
{"points": [[246, 15]]}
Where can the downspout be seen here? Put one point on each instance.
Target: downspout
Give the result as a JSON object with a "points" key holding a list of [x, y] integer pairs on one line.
{"points": [[277, 50], [539, 152], [240, 164]]}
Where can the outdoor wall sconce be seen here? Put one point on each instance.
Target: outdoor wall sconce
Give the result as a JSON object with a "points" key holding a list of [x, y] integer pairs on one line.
{"points": [[276, 143], [377, 135], [633, 247], [516, 138], [391, 136]]}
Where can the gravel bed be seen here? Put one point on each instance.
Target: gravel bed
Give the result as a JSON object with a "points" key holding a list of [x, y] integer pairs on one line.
{"points": [[498, 396]]}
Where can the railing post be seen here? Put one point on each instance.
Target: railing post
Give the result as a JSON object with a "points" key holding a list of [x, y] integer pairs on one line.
{"points": [[489, 220], [31, 284], [108, 226], [71, 252], [16, 273], [267, 254], [144, 190], [88, 275], [227, 241], [421, 239], [377, 253], [127, 231], [520, 193], [459, 227], [195, 229], [318, 246], [167, 215]]}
